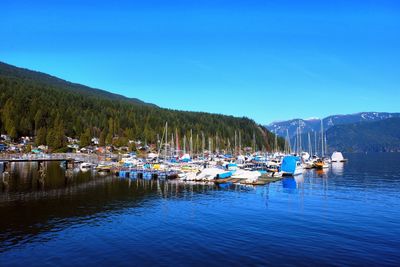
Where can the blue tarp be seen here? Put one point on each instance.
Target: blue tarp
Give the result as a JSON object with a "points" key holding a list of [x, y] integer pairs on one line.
{"points": [[289, 164], [224, 175]]}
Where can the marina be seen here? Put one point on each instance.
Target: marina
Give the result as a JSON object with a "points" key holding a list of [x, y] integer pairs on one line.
{"points": [[253, 169]]}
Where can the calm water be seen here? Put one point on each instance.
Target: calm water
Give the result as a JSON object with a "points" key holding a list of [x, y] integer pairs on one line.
{"points": [[349, 215]]}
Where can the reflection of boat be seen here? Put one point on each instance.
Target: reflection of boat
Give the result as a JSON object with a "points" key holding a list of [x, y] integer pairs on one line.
{"points": [[292, 182], [289, 183], [299, 179], [319, 164], [103, 168], [337, 168], [320, 172]]}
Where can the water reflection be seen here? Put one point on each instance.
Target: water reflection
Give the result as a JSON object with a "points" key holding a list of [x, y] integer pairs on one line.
{"points": [[84, 216], [295, 182], [33, 204], [337, 168]]}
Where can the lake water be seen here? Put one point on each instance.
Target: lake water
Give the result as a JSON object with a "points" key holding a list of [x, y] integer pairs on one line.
{"points": [[349, 215]]}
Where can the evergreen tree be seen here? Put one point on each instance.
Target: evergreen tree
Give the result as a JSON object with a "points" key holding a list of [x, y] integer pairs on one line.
{"points": [[102, 139], [40, 138], [85, 139]]}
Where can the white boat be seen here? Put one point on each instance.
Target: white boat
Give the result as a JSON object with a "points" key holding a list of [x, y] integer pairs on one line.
{"points": [[85, 166], [249, 176], [209, 174], [187, 176], [337, 157]]}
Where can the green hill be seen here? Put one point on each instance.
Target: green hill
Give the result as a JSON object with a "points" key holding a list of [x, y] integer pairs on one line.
{"points": [[380, 136], [37, 104]]}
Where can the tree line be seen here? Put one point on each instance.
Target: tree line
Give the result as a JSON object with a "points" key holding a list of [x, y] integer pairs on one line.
{"points": [[33, 104]]}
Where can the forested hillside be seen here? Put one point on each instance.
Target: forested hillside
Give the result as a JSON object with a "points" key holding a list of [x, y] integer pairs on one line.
{"points": [[379, 136], [37, 104]]}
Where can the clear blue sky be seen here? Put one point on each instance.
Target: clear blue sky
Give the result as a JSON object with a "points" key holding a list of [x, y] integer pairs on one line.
{"points": [[267, 60]]}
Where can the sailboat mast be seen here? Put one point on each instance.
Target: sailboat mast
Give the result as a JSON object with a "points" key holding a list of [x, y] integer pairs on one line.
{"points": [[184, 144], [326, 146], [196, 145], [240, 143], [254, 142], [172, 145], [235, 153], [203, 142], [300, 143], [166, 140], [191, 143], [315, 142], [322, 137]]}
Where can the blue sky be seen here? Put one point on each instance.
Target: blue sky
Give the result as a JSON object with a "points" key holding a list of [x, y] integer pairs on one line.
{"points": [[267, 60]]}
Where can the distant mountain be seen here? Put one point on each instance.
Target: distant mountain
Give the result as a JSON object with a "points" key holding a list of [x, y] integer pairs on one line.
{"points": [[375, 136], [314, 125]]}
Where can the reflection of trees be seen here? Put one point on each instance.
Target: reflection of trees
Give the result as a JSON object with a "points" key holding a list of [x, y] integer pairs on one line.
{"points": [[28, 210]]}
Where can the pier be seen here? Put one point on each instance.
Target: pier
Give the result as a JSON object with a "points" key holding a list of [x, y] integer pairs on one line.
{"points": [[69, 158]]}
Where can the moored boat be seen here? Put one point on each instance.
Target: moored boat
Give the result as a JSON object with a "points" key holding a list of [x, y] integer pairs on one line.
{"points": [[291, 166], [337, 157], [85, 166]]}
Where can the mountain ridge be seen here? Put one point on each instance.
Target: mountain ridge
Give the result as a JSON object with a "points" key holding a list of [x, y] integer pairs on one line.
{"points": [[36, 104], [314, 125], [11, 71], [370, 136]]}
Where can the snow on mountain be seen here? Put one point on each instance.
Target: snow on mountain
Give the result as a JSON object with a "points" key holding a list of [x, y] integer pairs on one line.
{"points": [[283, 128]]}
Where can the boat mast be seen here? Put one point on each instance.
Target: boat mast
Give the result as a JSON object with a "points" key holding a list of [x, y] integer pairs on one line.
{"points": [[172, 145], [322, 138], [326, 146], [203, 142], [216, 143], [166, 140], [315, 142], [240, 144], [288, 141], [184, 144], [191, 143], [196, 145], [235, 153], [254, 142], [300, 148]]}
